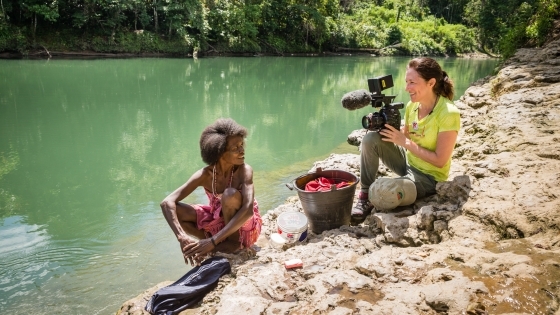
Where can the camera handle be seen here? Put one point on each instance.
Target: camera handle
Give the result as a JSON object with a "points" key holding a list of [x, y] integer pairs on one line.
{"points": [[381, 99]]}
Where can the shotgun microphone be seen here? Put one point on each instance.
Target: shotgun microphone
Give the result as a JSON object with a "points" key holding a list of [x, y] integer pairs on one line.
{"points": [[356, 99]]}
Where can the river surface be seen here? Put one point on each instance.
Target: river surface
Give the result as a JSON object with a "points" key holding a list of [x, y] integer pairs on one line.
{"points": [[88, 149]]}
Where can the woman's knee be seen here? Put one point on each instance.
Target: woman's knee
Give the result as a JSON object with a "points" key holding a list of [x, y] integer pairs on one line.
{"points": [[371, 139], [231, 198]]}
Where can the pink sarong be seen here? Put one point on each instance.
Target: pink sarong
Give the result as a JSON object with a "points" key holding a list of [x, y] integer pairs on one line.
{"points": [[209, 219]]}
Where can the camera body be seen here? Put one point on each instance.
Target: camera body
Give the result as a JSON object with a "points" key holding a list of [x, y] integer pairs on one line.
{"points": [[389, 112]]}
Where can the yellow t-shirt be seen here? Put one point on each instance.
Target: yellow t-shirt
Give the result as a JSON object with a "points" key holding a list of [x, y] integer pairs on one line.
{"points": [[424, 132]]}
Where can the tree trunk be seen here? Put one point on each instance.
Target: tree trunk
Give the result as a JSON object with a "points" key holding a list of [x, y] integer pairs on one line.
{"points": [[156, 24], [3, 12], [34, 26], [306, 34]]}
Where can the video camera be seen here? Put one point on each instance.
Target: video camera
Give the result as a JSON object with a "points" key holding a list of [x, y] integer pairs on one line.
{"points": [[389, 112]]}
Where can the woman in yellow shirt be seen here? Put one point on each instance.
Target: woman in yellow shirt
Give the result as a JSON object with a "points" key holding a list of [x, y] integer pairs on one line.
{"points": [[420, 153]]}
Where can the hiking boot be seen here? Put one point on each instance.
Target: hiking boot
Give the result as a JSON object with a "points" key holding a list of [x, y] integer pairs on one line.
{"points": [[362, 209]]}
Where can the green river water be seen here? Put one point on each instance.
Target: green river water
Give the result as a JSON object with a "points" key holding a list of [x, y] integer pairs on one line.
{"points": [[88, 149]]}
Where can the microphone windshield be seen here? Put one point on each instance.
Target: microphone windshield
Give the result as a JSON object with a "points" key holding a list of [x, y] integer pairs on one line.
{"points": [[356, 99]]}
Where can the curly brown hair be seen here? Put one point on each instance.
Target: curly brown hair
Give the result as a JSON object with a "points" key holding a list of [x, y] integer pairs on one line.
{"points": [[428, 68], [213, 140]]}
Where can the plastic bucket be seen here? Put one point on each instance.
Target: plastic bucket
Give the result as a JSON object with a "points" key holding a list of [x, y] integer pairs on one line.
{"points": [[331, 209], [292, 226]]}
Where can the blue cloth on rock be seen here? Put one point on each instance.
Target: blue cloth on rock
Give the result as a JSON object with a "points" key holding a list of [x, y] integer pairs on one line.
{"points": [[190, 289]]}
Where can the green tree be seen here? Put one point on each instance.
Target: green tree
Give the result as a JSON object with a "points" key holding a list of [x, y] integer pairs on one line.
{"points": [[451, 10], [114, 15], [36, 10], [139, 8], [505, 25], [542, 20], [419, 26], [234, 25]]}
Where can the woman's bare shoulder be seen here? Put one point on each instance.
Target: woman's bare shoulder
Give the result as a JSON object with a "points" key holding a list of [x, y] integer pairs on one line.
{"points": [[246, 167], [201, 176], [244, 172]]}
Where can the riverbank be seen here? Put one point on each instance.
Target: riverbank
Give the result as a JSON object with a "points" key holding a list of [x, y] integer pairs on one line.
{"points": [[487, 243], [46, 54]]}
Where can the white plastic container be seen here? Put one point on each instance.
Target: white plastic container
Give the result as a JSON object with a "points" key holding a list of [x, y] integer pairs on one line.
{"points": [[277, 241], [292, 226]]}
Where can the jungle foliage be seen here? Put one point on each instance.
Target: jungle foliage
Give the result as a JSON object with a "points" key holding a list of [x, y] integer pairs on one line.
{"points": [[411, 27]]}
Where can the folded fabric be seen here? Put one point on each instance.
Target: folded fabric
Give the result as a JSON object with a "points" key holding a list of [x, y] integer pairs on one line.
{"points": [[324, 184], [190, 289]]}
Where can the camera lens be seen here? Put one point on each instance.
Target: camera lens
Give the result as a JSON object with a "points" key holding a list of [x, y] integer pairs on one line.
{"points": [[366, 121], [373, 121]]}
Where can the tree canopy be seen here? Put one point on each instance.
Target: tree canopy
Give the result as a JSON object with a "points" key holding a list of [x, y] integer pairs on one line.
{"points": [[412, 27]]}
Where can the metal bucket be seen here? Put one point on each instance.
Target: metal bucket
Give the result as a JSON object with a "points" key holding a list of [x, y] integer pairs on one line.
{"points": [[326, 210]]}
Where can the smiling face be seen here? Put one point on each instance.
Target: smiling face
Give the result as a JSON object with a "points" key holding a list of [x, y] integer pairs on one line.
{"points": [[235, 150], [419, 89]]}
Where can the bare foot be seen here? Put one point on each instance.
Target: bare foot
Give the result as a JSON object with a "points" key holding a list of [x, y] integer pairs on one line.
{"points": [[227, 246]]}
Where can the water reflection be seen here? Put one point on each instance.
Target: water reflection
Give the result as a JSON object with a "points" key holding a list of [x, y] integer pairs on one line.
{"points": [[16, 235], [8, 202], [21, 247]]}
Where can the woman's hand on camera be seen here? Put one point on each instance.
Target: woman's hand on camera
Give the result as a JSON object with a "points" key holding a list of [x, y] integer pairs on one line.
{"points": [[390, 134]]}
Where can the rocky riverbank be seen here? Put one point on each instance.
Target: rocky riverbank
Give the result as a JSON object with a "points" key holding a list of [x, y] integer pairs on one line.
{"points": [[487, 243]]}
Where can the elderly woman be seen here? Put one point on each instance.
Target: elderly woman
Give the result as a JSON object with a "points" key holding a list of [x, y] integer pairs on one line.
{"points": [[231, 220], [420, 153]]}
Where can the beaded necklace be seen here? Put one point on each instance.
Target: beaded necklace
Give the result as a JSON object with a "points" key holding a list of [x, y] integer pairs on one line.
{"points": [[214, 180]]}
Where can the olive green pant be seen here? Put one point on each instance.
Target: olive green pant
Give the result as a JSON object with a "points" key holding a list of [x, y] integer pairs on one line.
{"points": [[373, 150]]}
